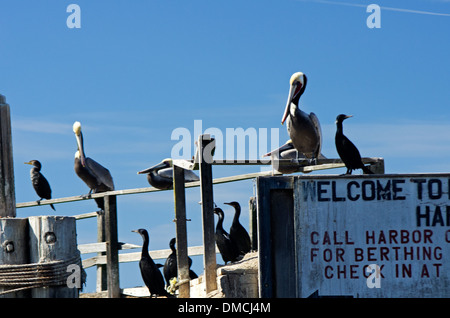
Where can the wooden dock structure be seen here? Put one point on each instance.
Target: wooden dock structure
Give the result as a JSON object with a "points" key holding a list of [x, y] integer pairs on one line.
{"points": [[107, 247]]}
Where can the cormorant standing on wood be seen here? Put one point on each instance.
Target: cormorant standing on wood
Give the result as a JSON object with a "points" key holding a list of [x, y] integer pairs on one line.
{"points": [[40, 184], [171, 266], [238, 233], [347, 151], [226, 245], [96, 177], [151, 275]]}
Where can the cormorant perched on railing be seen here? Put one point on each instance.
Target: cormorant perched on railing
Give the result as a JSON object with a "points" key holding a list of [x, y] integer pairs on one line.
{"points": [[304, 129], [151, 275], [39, 182], [171, 266], [347, 151], [227, 247], [96, 177], [238, 233], [160, 176]]}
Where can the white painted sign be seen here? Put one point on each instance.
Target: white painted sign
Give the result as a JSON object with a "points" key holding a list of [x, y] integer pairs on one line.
{"points": [[362, 236]]}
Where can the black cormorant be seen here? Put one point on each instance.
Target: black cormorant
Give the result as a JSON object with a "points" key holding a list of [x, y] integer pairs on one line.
{"points": [[160, 176], [151, 275], [171, 265], [96, 177], [347, 151], [304, 129], [238, 233], [40, 183], [227, 247]]}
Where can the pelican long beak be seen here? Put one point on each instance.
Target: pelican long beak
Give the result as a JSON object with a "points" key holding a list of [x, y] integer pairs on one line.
{"points": [[79, 138], [293, 90], [158, 166]]}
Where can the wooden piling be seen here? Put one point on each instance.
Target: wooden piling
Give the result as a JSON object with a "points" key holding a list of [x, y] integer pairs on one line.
{"points": [[53, 238], [206, 189], [181, 232], [253, 223], [112, 247], [7, 194], [101, 284], [13, 249]]}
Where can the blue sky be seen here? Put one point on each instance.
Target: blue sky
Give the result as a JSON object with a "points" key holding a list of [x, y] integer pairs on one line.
{"points": [[137, 70]]}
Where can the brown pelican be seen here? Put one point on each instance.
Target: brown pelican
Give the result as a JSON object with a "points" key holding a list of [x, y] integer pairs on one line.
{"points": [[96, 177], [304, 129], [40, 183], [347, 150], [161, 175]]}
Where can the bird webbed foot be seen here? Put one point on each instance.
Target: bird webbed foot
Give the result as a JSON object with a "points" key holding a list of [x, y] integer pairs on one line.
{"points": [[86, 196]]}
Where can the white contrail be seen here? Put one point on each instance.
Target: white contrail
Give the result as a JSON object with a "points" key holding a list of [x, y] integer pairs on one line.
{"points": [[383, 8]]}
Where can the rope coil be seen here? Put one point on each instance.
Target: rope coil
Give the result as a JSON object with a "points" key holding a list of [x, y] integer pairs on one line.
{"points": [[35, 275]]}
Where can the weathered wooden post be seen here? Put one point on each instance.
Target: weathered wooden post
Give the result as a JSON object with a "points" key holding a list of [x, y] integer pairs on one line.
{"points": [[112, 247], [7, 194], [101, 269], [13, 249], [206, 187], [181, 232], [13, 232], [253, 226], [54, 238]]}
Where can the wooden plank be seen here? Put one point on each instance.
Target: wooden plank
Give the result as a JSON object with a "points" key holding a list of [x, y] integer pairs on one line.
{"points": [[207, 203], [140, 190], [181, 231], [101, 247], [283, 249], [112, 249], [326, 164], [275, 230], [13, 249], [185, 164], [136, 292], [52, 238], [135, 257], [85, 216], [264, 238], [7, 193]]}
